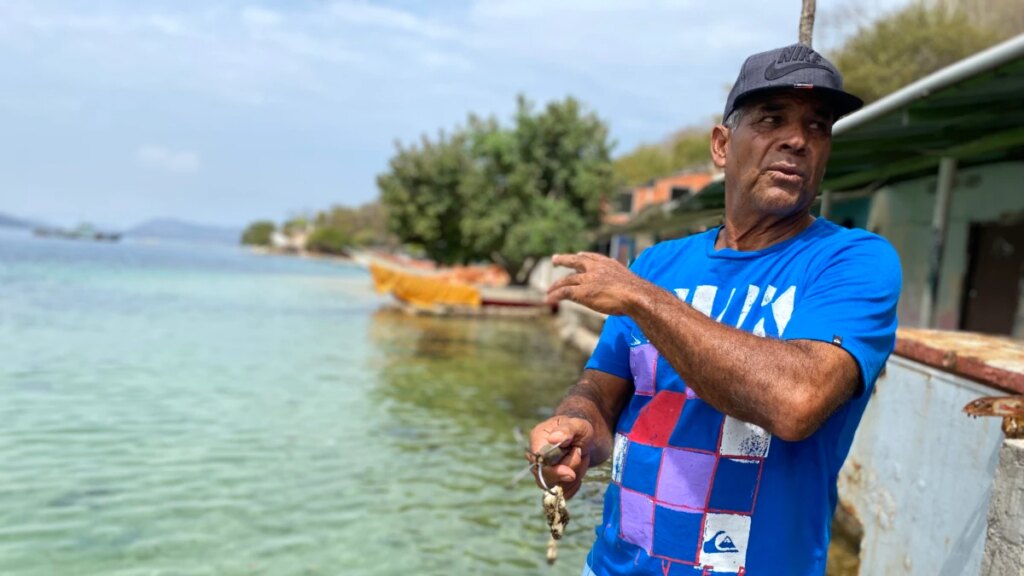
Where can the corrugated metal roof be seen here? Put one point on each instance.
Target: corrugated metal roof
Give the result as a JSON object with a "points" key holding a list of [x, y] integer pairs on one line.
{"points": [[972, 111]]}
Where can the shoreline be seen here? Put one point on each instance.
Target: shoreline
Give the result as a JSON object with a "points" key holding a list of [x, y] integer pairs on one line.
{"points": [[304, 255]]}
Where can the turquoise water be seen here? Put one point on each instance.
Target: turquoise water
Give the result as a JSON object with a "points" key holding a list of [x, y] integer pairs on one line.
{"points": [[172, 410]]}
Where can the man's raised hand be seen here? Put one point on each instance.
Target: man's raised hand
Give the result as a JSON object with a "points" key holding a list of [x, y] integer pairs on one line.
{"points": [[599, 283]]}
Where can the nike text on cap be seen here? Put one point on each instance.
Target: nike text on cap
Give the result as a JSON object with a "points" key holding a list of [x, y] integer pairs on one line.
{"points": [[793, 67]]}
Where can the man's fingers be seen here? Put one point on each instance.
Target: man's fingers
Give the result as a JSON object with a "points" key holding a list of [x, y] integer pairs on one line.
{"points": [[573, 459], [570, 280], [578, 260], [572, 433], [557, 474], [574, 261], [555, 430], [560, 294]]}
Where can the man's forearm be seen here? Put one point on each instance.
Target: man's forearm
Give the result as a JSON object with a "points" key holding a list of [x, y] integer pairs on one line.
{"points": [[764, 381], [598, 399]]}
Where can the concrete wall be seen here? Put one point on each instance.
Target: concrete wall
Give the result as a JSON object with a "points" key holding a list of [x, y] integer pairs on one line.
{"points": [[1004, 549], [903, 214], [919, 474]]}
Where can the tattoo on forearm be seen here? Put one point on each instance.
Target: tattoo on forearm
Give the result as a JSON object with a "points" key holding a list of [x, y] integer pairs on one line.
{"points": [[575, 413], [581, 394]]}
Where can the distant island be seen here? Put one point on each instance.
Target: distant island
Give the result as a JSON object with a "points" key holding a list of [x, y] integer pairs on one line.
{"points": [[157, 229], [81, 232], [181, 231], [9, 221]]}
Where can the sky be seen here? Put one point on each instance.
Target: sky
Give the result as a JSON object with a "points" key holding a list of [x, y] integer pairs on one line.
{"points": [[223, 112]]}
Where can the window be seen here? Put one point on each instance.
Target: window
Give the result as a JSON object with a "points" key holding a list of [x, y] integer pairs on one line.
{"points": [[680, 192]]}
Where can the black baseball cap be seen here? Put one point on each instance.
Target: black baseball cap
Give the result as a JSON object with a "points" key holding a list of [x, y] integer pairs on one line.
{"points": [[794, 67]]}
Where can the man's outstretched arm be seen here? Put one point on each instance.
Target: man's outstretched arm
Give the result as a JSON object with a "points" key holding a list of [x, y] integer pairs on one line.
{"points": [[787, 387], [585, 421]]}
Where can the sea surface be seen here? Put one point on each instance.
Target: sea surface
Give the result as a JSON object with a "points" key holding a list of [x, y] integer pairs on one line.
{"points": [[183, 410]]}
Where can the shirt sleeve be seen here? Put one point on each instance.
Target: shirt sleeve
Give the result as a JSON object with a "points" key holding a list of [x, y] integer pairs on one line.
{"points": [[852, 304], [611, 354]]}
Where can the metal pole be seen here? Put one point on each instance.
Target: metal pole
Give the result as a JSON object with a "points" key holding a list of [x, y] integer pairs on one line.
{"points": [[826, 204], [940, 221]]}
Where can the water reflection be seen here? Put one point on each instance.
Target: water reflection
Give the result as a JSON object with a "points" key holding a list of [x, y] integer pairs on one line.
{"points": [[454, 389], [494, 373]]}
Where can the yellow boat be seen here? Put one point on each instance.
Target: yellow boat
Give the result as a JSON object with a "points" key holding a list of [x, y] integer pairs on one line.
{"points": [[423, 290]]}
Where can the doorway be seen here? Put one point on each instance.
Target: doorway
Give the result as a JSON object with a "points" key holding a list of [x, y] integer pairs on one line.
{"points": [[993, 291]]}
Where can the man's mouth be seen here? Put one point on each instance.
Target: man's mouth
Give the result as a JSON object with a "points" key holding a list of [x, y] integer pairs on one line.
{"points": [[785, 171]]}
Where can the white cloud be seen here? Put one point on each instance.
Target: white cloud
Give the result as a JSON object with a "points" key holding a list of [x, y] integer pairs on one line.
{"points": [[257, 17], [364, 14], [318, 90], [161, 158]]}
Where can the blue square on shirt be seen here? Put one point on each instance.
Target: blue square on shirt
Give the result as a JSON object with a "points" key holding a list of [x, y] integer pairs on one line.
{"points": [[628, 417], [640, 471], [668, 379], [677, 534], [735, 485], [699, 427]]}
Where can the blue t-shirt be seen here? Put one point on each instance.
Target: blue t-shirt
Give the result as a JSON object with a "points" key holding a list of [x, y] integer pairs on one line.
{"points": [[694, 491]]}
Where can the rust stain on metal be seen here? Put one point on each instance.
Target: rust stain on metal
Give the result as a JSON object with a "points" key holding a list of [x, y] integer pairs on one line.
{"points": [[1009, 408], [992, 360]]}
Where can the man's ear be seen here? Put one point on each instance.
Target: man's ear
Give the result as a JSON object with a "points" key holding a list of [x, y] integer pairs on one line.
{"points": [[720, 145]]}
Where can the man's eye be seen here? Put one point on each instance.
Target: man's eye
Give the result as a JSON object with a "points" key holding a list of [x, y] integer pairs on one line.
{"points": [[770, 120]]}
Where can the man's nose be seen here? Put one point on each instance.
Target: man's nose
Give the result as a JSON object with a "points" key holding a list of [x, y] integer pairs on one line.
{"points": [[794, 139]]}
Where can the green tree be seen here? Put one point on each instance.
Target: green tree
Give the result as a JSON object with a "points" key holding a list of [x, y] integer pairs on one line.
{"points": [[340, 228], [1005, 18], [908, 44], [510, 195], [643, 164], [295, 225], [329, 240], [553, 227], [370, 226], [686, 148], [691, 147], [421, 194], [544, 178], [258, 233]]}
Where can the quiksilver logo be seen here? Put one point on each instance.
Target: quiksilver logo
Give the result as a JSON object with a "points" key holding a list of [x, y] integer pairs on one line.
{"points": [[792, 59], [720, 543]]}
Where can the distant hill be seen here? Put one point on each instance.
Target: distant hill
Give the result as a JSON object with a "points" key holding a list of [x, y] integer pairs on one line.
{"points": [[181, 231], [12, 222]]}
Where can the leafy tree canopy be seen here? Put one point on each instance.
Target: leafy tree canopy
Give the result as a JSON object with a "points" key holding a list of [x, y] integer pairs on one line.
{"points": [[258, 233], [687, 148], [507, 194], [915, 41], [340, 228], [329, 240]]}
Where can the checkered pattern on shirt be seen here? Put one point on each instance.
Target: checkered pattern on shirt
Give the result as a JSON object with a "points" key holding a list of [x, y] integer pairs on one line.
{"points": [[687, 476]]}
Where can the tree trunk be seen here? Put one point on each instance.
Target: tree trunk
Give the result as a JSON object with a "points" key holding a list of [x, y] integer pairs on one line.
{"points": [[523, 277], [807, 22]]}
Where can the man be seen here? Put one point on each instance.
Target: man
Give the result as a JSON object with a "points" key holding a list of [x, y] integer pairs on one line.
{"points": [[735, 364]]}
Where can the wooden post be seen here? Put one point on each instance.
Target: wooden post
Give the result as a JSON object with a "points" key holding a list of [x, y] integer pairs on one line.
{"points": [[807, 22]]}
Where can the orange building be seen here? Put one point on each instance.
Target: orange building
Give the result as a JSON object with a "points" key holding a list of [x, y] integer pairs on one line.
{"points": [[669, 188]]}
